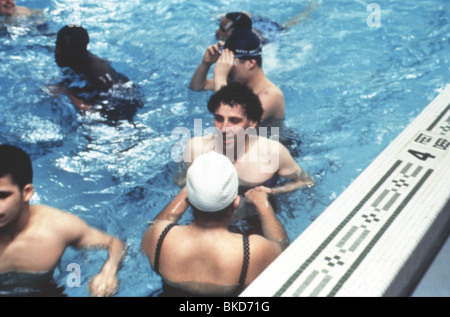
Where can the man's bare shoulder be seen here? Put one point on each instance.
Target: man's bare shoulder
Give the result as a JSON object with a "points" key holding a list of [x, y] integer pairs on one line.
{"points": [[269, 144], [271, 90], [55, 219]]}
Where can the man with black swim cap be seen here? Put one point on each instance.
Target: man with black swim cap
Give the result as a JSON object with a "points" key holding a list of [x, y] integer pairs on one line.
{"points": [[239, 59], [71, 52]]}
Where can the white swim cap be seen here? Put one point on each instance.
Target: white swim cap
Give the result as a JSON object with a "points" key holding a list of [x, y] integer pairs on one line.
{"points": [[212, 182]]}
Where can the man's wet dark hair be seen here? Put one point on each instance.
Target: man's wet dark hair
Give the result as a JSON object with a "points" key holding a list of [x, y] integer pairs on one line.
{"points": [[235, 94], [73, 40], [240, 20], [245, 45], [17, 163]]}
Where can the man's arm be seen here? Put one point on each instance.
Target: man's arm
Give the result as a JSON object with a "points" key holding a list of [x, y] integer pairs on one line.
{"points": [[199, 80], [288, 168], [175, 209], [171, 213], [272, 228], [80, 104], [223, 67], [82, 236], [300, 179]]}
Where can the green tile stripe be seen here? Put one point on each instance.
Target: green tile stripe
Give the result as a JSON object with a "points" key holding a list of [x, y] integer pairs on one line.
{"points": [[372, 243], [438, 118], [324, 244]]}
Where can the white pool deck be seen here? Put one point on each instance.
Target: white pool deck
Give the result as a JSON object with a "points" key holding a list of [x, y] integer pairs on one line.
{"points": [[380, 236]]}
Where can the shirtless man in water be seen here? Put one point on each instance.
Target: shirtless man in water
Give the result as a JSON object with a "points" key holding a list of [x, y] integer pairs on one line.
{"points": [[33, 238], [9, 8], [259, 161]]}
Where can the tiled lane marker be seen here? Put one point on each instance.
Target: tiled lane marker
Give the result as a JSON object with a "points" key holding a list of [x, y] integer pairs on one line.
{"points": [[368, 241]]}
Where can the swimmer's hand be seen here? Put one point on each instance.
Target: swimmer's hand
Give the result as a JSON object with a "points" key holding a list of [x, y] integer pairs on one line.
{"points": [[256, 197], [263, 189], [212, 53], [223, 67], [56, 90], [104, 285]]}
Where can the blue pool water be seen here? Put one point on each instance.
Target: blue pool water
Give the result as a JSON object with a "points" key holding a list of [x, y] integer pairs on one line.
{"points": [[350, 89]]}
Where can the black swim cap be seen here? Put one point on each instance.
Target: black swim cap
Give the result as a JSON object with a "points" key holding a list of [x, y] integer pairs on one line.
{"points": [[240, 20], [75, 37], [244, 43]]}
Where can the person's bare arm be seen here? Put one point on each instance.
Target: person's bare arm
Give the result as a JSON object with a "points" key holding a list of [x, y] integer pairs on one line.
{"points": [[171, 213], [82, 236], [175, 209], [199, 80], [288, 168], [223, 67], [272, 228], [80, 104]]}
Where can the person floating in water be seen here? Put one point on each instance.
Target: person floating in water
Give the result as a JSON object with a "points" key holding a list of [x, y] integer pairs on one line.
{"points": [[259, 161], [239, 59], [233, 21], [204, 258], [33, 238], [106, 91], [266, 29], [12, 15], [9, 8]]}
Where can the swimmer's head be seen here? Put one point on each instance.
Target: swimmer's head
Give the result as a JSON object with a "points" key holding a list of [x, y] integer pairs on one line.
{"points": [[236, 94], [245, 44], [16, 163], [7, 7], [71, 44], [233, 21], [212, 183]]}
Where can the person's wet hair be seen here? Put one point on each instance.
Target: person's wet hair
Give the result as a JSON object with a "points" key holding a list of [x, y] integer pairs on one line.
{"points": [[71, 43], [73, 36], [17, 163], [240, 20], [235, 94]]}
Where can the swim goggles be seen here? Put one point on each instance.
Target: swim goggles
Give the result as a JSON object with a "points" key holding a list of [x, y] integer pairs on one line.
{"points": [[240, 53]]}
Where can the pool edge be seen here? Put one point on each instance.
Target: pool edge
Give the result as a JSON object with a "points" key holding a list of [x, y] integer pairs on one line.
{"points": [[379, 236]]}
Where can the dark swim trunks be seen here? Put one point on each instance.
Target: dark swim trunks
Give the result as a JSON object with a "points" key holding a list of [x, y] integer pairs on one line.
{"points": [[14, 284], [267, 30]]}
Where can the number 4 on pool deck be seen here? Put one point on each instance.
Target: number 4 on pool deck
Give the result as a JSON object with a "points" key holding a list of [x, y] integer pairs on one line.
{"points": [[420, 155]]}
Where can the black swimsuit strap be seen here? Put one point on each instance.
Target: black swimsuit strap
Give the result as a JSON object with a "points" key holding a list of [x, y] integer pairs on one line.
{"points": [[159, 243], [245, 263]]}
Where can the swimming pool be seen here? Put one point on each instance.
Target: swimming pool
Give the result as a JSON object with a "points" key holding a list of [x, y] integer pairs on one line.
{"points": [[350, 89]]}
